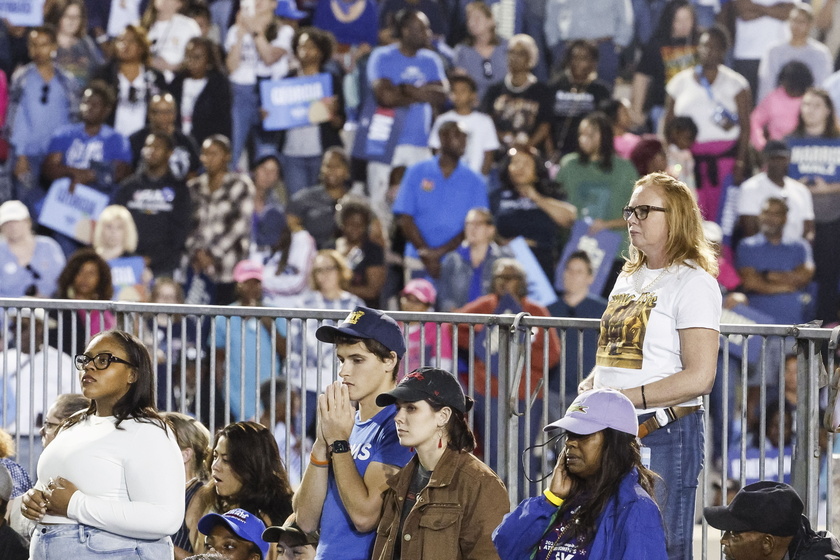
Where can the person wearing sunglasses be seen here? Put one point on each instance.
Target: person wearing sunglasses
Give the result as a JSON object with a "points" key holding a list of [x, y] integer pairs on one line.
{"points": [[659, 341], [112, 480]]}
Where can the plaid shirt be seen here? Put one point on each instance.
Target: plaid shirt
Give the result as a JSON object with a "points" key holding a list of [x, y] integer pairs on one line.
{"points": [[221, 221]]}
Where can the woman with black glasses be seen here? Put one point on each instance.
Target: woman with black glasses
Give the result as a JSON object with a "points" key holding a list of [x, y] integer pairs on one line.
{"points": [[659, 341], [111, 482]]}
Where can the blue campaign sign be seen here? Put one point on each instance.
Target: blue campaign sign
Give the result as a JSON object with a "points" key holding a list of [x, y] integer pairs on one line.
{"points": [[378, 132], [24, 13], [601, 248], [127, 276], [539, 286], [72, 213], [810, 157], [294, 102]]}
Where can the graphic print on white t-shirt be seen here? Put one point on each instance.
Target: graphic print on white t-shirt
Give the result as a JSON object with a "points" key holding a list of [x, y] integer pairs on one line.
{"points": [[623, 330]]}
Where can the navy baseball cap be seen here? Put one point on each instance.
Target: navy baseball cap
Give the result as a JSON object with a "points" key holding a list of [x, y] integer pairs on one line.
{"points": [[242, 523], [430, 383], [364, 322]]}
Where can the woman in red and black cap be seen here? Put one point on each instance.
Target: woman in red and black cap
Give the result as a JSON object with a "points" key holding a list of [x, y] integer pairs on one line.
{"points": [[445, 502]]}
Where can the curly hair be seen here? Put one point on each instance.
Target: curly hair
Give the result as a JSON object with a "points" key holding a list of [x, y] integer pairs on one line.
{"points": [[104, 288]]}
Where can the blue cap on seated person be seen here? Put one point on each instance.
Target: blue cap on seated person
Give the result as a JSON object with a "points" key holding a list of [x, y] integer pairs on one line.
{"points": [[764, 506], [287, 9], [428, 383], [242, 523], [364, 322], [596, 410]]}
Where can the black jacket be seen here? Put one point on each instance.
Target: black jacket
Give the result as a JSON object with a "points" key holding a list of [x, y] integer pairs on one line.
{"points": [[813, 545], [211, 114]]}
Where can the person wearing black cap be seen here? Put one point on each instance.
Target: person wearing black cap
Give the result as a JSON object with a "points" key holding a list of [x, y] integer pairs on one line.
{"points": [[764, 521], [774, 182], [293, 543], [445, 503], [355, 452]]}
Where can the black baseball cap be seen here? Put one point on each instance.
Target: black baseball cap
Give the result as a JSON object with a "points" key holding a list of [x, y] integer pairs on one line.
{"points": [[776, 148], [295, 536], [431, 383], [766, 506], [364, 322]]}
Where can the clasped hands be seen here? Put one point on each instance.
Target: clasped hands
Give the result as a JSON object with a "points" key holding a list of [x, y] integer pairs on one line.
{"points": [[53, 499], [336, 414]]}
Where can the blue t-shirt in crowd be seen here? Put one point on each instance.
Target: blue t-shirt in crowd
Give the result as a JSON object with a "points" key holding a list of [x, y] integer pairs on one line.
{"points": [[42, 271], [439, 204], [418, 70], [372, 441], [98, 152]]}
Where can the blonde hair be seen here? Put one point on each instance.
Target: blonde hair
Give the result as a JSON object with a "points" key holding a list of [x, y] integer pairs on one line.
{"points": [[112, 213], [686, 239], [345, 273], [192, 434], [7, 444], [528, 42]]}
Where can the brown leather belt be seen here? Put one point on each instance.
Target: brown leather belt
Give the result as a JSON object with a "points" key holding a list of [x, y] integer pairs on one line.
{"points": [[672, 414]]}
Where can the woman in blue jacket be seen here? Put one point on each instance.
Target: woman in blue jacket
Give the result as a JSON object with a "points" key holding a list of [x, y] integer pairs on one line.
{"points": [[598, 505]]}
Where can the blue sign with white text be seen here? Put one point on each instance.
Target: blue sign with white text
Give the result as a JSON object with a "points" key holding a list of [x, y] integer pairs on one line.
{"points": [[294, 102], [814, 157]]}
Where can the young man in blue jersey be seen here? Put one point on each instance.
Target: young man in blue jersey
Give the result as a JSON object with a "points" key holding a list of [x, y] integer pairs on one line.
{"points": [[355, 451]]}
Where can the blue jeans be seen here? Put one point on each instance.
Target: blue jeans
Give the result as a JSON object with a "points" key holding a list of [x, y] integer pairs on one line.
{"points": [[245, 115], [81, 542], [677, 457], [300, 172]]}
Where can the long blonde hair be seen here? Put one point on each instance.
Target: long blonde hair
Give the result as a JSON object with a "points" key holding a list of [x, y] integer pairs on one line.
{"points": [[686, 240]]}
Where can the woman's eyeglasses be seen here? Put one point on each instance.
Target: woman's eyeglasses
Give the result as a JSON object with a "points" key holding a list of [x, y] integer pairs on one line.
{"points": [[641, 211], [100, 361]]}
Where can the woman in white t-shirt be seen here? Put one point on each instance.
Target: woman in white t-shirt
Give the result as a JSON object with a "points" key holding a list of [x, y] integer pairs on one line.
{"points": [[111, 482], [659, 340], [169, 31]]}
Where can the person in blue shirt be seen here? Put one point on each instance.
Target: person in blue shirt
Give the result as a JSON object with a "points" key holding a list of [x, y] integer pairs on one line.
{"points": [[433, 201], [355, 451]]}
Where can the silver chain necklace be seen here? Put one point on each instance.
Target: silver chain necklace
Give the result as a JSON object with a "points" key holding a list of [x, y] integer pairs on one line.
{"points": [[638, 278]]}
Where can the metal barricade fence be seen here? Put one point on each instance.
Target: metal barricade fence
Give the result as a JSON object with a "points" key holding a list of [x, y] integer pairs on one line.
{"points": [[200, 353]]}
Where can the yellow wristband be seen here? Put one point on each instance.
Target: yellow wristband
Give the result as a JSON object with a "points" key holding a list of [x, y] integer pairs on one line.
{"points": [[552, 497]]}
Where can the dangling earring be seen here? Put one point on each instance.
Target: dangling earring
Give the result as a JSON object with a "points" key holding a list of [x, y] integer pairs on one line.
{"points": [[440, 438]]}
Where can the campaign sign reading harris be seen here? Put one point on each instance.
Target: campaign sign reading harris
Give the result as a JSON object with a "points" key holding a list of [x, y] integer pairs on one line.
{"points": [[24, 13], [72, 213], [294, 102], [811, 157]]}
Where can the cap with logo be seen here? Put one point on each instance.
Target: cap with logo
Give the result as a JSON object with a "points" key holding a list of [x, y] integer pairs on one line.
{"points": [[242, 523], [364, 322], [596, 410], [431, 383]]}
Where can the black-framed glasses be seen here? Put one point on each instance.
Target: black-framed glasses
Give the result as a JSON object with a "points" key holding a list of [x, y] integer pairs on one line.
{"points": [[100, 361], [45, 93], [641, 211]]}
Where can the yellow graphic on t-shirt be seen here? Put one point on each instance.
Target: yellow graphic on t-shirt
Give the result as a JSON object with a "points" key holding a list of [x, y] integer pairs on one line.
{"points": [[623, 328]]}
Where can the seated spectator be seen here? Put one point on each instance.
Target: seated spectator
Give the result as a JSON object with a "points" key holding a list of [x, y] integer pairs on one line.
{"points": [[764, 521], [86, 276], [801, 47], [762, 454], [257, 367], [248, 474], [600, 497], [432, 418], [236, 534], [44, 97], [577, 92], [77, 52], [64, 406], [115, 240], [365, 257], [648, 156], [29, 263], [680, 134], [222, 213], [528, 204], [315, 206], [433, 200], [131, 75], [467, 272], [423, 347], [618, 111], [293, 543], [576, 301], [482, 141], [12, 545], [286, 405], [773, 182], [39, 371], [310, 363], [519, 105], [184, 161], [270, 202], [775, 270], [160, 206], [169, 30], [194, 441], [202, 92], [776, 115], [483, 53], [301, 148], [287, 265]]}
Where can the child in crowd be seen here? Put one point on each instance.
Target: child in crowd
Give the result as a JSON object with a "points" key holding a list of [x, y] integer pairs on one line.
{"points": [[482, 141], [236, 535], [680, 134], [293, 543]]}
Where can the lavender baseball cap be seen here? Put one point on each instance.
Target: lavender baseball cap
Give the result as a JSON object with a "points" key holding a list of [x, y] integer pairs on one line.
{"points": [[596, 410]]}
